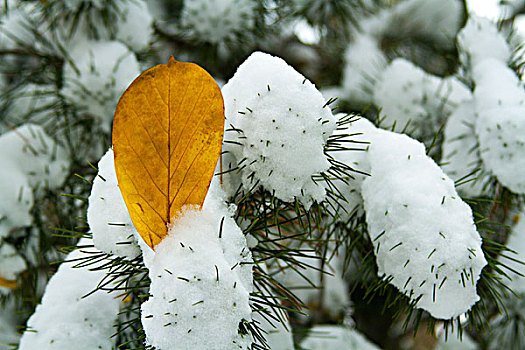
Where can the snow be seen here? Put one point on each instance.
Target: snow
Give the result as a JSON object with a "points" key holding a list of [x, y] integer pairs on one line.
{"points": [[423, 234], [500, 106], [216, 21], [31, 102], [434, 20], [11, 263], [497, 86], [516, 242], [306, 284], [201, 279], [480, 40], [66, 320], [134, 25], [499, 101], [485, 8], [328, 337], [33, 160], [14, 26], [460, 151], [108, 218], [364, 62], [453, 343], [102, 71], [501, 135], [411, 98], [282, 125], [278, 335], [8, 332], [359, 131]]}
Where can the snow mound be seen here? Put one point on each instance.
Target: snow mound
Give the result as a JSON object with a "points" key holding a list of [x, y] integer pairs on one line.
{"points": [[460, 150], [282, 124], [479, 40], [66, 320], [364, 63], [201, 279], [135, 24], [108, 218], [215, 21], [413, 99], [11, 264], [500, 108], [100, 74], [423, 234], [32, 159]]}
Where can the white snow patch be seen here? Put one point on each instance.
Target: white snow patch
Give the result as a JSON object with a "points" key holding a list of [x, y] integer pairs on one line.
{"points": [[500, 108], [135, 24], [216, 21], [32, 159], [11, 263], [282, 128], [66, 320], [308, 282], [102, 71], [479, 40], [200, 282], [413, 99], [461, 153], [107, 214], [327, 337], [423, 234], [364, 63]]}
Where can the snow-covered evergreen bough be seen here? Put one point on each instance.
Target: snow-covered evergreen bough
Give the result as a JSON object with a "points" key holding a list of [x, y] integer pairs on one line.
{"points": [[397, 212]]}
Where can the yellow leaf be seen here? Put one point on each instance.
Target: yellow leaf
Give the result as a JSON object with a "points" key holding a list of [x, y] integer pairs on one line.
{"points": [[167, 135], [7, 283]]}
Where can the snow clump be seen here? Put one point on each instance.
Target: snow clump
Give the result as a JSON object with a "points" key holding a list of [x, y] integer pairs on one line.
{"points": [[134, 24], [216, 21], [364, 62], [101, 73], [277, 124], [108, 218], [414, 100], [423, 234], [461, 152], [11, 264], [201, 279], [306, 282], [67, 320], [480, 40], [499, 101], [34, 160], [500, 106]]}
